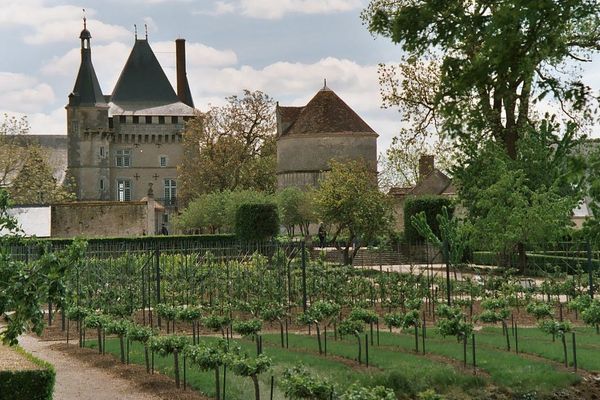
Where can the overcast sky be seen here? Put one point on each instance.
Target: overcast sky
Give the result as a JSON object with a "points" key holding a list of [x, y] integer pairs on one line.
{"points": [[282, 47]]}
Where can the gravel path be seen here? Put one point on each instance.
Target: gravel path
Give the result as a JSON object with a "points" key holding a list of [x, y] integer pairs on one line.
{"points": [[78, 381]]}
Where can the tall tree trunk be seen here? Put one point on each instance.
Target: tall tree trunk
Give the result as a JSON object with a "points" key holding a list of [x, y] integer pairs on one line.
{"points": [[176, 365], [256, 387], [217, 384], [122, 344], [99, 328], [319, 338], [522, 257]]}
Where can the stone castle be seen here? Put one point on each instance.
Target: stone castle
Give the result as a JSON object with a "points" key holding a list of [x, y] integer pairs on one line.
{"points": [[121, 144]]}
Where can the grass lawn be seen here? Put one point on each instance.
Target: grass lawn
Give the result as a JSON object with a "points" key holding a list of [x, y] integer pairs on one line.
{"points": [[408, 374], [394, 363], [534, 341]]}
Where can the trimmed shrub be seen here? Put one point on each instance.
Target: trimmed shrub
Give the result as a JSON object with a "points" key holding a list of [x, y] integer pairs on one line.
{"points": [[540, 262], [432, 206], [37, 384], [255, 222]]}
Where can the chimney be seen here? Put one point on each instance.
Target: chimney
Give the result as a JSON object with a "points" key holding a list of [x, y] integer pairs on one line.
{"points": [[183, 88], [426, 165]]}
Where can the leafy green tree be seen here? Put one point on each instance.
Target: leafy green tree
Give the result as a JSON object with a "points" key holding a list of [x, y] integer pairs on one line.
{"points": [[298, 383], [141, 334], [25, 287], [296, 209], [98, 322], [357, 392], [353, 327], [209, 357], [34, 183], [12, 149], [591, 315], [349, 200], [230, 147], [215, 212], [318, 313], [497, 60], [119, 327], [242, 365], [170, 344]]}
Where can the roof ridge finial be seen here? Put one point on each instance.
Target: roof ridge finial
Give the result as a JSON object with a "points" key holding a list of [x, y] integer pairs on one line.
{"points": [[324, 83], [84, 20], [135, 31], [146, 30]]}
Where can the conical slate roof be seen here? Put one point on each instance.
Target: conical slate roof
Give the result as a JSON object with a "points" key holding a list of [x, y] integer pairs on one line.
{"points": [[327, 113], [143, 82], [87, 91]]}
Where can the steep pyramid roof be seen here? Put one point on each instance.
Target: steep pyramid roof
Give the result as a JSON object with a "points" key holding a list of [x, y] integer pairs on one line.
{"points": [[143, 82], [87, 91], [326, 113]]}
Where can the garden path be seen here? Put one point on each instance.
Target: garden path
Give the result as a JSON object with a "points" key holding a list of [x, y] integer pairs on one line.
{"points": [[77, 381]]}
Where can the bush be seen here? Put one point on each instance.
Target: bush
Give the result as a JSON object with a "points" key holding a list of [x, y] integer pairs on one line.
{"points": [[37, 384], [540, 262], [432, 206], [255, 222]]}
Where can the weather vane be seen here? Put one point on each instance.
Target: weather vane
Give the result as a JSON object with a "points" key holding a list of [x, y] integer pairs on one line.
{"points": [[135, 30], [146, 29], [84, 20]]}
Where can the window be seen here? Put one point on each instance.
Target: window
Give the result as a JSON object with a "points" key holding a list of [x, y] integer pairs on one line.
{"points": [[174, 120], [122, 119], [163, 161], [148, 119], [135, 119], [123, 190], [101, 184], [75, 126], [161, 120], [111, 124], [102, 152], [170, 191], [123, 158]]}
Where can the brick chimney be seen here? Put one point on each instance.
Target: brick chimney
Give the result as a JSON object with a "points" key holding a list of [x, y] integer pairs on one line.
{"points": [[426, 165], [183, 88]]}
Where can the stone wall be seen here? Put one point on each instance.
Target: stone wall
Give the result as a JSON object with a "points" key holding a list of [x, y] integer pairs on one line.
{"points": [[95, 219]]}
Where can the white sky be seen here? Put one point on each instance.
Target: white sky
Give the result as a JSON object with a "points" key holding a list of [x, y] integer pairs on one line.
{"points": [[282, 47]]}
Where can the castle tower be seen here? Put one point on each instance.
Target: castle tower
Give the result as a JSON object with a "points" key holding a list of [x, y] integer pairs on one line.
{"points": [[309, 137], [88, 130]]}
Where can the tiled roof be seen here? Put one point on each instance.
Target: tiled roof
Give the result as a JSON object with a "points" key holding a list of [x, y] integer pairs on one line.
{"points": [[324, 113], [143, 83]]}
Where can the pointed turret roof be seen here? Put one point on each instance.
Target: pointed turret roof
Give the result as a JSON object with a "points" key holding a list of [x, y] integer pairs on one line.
{"points": [[326, 112], [87, 91], [143, 82]]}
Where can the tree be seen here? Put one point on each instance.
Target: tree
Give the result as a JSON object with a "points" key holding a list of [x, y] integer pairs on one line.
{"points": [[34, 183], [215, 212], [349, 200], [230, 147], [497, 61], [411, 87], [296, 209], [12, 151], [497, 58]]}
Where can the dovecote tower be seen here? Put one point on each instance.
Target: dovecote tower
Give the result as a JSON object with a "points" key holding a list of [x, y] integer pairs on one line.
{"points": [[309, 137]]}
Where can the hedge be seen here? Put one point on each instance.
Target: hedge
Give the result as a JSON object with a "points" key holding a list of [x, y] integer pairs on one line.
{"points": [[540, 262], [432, 206], [37, 384], [256, 222], [136, 242]]}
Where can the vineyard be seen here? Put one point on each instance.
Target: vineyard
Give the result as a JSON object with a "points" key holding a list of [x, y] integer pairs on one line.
{"points": [[280, 321]]}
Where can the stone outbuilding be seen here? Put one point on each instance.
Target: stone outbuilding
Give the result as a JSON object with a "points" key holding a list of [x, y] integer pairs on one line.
{"points": [[309, 137]]}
